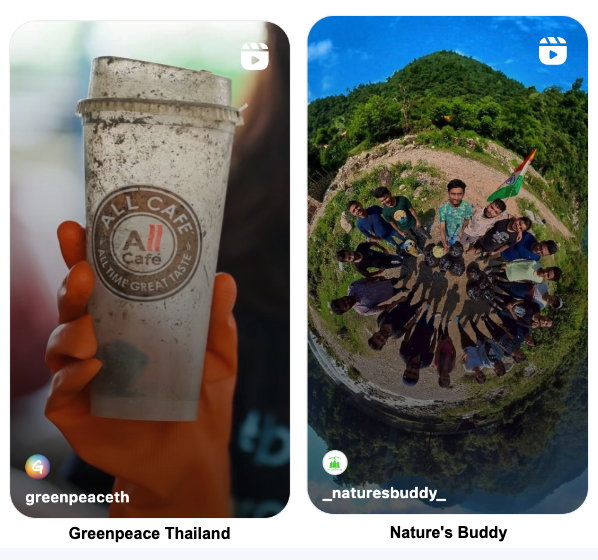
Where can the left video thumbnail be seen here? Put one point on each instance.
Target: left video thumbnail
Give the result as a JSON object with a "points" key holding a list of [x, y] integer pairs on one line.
{"points": [[157, 385]]}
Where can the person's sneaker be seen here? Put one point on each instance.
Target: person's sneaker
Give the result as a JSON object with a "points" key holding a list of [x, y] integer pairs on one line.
{"points": [[437, 314], [457, 319]]}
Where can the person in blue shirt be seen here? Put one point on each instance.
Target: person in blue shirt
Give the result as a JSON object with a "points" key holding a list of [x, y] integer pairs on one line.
{"points": [[521, 333], [529, 249], [371, 223]]}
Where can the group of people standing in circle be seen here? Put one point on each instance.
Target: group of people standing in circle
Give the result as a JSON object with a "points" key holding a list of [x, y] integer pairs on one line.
{"points": [[513, 284]]}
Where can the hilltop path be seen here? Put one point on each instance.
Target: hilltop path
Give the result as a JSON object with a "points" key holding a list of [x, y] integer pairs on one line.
{"points": [[480, 179]]}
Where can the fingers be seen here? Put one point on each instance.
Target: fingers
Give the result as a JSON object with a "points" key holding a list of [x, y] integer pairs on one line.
{"points": [[71, 237], [74, 293], [71, 340], [69, 382], [221, 355]]}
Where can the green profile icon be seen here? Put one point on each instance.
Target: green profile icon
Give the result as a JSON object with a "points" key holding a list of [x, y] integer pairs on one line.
{"points": [[335, 462]]}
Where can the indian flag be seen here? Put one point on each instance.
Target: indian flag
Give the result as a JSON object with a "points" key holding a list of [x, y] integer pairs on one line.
{"points": [[513, 184]]}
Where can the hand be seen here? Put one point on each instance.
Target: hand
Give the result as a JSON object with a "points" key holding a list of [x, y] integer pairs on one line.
{"points": [[418, 223], [445, 245], [164, 487]]}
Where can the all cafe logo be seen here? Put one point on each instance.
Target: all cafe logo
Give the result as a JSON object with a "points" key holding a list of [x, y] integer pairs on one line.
{"points": [[146, 243], [335, 462]]}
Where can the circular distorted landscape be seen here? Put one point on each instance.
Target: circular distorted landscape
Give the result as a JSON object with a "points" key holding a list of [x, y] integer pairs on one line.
{"points": [[421, 174]]}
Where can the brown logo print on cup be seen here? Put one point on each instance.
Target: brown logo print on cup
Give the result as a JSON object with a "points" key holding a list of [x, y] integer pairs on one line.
{"points": [[146, 243]]}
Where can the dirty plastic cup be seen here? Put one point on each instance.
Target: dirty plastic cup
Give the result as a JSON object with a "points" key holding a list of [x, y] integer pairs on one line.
{"points": [[157, 144]]}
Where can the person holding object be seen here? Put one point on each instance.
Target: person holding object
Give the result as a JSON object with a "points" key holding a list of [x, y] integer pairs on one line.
{"points": [[455, 214], [371, 223], [150, 459], [483, 218], [365, 257], [500, 237], [400, 214]]}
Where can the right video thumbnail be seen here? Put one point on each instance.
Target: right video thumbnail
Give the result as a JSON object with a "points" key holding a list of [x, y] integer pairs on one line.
{"points": [[448, 264]]}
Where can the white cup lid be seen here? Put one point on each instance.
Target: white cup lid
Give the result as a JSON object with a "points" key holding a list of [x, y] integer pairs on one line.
{"points": [[123, 78]]}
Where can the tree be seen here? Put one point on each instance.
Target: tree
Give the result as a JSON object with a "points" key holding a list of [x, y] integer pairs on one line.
{"points": [[376, 120]]}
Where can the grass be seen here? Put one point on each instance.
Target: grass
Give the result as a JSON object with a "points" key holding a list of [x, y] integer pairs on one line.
{"points": [[358, 149], [328, 279]]}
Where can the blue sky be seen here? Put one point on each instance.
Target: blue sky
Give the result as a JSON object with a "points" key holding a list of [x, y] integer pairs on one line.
{"points": [[344, 52]]}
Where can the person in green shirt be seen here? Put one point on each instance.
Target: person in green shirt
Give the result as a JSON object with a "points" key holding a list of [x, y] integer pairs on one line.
{"points": [[399, 213], [454, 215], [525, 271]]}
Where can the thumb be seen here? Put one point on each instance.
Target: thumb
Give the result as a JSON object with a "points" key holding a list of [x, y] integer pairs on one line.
{"points": [[71, 237]]}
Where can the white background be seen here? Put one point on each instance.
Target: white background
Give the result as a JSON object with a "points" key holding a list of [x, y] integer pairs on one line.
{"points": [[300, 524]]}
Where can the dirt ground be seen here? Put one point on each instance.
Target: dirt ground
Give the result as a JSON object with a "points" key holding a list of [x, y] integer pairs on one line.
{"points": [[446, 295], [445, 292], [480, 179]]}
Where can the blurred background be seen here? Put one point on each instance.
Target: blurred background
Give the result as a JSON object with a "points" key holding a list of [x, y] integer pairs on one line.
{"points": [[50, 64]]}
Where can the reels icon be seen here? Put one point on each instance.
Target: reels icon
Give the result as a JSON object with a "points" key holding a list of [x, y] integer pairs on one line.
{"points": [[553, 51]]}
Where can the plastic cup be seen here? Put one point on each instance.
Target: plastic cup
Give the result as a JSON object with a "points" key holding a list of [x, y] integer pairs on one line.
{"points": [[157, 143]]}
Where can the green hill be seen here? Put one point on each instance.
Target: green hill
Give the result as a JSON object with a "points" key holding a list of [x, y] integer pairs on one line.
{"points": [[444, 98]]}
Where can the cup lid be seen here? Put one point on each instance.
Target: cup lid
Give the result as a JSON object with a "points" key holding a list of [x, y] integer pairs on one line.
{"points": [[124, 78]]}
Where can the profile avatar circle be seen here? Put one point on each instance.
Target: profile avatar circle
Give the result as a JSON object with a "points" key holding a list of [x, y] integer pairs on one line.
{"points": [[37, 466], [335, 462]]}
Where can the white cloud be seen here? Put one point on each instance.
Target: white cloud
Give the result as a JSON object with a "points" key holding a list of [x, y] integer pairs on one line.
{"points": [[359, 53], [521, 24], [320, 50], [326, 83], [509, 60]]}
